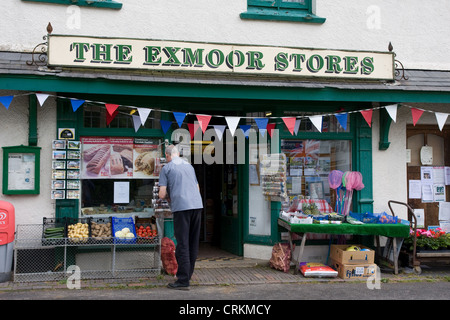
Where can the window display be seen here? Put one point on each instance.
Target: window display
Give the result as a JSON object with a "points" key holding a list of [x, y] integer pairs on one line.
{"points": [[118, 174], [309, 162]]}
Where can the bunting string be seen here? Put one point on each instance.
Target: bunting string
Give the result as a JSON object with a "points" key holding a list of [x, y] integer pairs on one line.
{"points": [[263, 124]]}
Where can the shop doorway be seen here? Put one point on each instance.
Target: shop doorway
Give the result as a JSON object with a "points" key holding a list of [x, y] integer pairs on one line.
{"points": [[221, 218], [429, 151]]}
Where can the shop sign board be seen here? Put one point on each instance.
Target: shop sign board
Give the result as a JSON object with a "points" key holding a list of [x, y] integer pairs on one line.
{"points": [[162, 55]]}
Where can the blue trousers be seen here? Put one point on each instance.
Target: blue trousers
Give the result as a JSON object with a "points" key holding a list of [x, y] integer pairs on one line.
{"points": [[186, 225]]}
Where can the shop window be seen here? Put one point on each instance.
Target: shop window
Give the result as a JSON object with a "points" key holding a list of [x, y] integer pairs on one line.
{"points": [[118, 175], [287, 10], [94, 116], [108, 4], [309, 162]]}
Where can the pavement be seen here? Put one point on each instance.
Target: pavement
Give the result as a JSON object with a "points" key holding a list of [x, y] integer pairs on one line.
{"points": [[232, 270]]}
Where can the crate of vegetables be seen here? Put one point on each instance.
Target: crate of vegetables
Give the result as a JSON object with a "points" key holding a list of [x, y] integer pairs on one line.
{"points": [[53, 231], [78, 230], [146, 230], [123, 230], [101, 230]]}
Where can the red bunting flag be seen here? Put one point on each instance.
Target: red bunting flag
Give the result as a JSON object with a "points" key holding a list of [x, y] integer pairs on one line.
{"points": [[290, 124], [367, 114], [110, 118], [193, 127], [111, 108], [270, 127], [203, 120], [416, 114]]}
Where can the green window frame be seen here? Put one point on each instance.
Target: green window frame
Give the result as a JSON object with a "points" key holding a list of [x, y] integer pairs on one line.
{"points": [[108, 4], [282, 10]]}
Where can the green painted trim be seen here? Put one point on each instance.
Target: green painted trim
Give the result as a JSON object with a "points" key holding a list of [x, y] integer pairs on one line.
{"points": [[385, 125], [278, 10], [37, 168], [259, 13], [362, 162], [107, 4], [32, 121], [179, 90]]}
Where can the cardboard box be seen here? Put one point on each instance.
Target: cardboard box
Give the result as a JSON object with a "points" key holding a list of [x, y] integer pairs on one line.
{"points": [[354, 271], [338, 254]]}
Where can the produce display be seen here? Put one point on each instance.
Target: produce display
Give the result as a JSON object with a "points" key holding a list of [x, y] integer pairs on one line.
{"points": [[101, 231], [54, 233], [78, 232], [147, 232], [124, 233]]}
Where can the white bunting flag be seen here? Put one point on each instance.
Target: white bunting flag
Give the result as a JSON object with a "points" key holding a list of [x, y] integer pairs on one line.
{"points": [[441, 119], [317, 122], [297, 126], [143, 114], [392, 110], [219, 130], [137, 122], [232, 123], [41, 98]]}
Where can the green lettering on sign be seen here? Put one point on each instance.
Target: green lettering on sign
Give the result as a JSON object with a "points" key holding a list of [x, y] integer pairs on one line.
{"points": [[219, 58], [317, 66], [80, 48], [298, 58], [123, 54], [333, 64], [151, 55], [254, 60], [281, 61], [101, 53], [350, 65], [193, 58], [171, 54], [367, 66]]}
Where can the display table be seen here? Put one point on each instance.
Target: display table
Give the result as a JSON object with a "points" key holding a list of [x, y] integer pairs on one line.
{"points": [[392, 231]]}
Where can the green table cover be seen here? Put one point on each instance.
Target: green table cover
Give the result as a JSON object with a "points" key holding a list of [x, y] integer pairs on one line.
{"points": [[387, 230]]}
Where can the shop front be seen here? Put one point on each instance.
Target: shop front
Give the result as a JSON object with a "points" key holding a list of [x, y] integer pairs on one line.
{"points": [[119, 102]]}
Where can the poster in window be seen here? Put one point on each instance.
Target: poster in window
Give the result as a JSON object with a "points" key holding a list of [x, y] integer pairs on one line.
{"points": [[146, 158], [95, 155], [117, 157], [121, 158], [58, 184]]}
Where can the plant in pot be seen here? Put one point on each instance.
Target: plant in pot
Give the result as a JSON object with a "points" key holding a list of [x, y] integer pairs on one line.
{"points": [[432, 239]]}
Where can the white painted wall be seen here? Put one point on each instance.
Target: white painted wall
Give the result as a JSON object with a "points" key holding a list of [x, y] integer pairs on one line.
{"points": [[389, 166], [418, 30], [30, 209]]}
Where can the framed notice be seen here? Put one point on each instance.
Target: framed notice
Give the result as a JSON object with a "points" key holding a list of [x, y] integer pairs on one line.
{"points": [[21, 168]]}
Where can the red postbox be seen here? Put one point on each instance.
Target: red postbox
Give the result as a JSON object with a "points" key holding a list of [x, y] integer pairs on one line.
{"points": [[7, 223], [7, 235]]}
